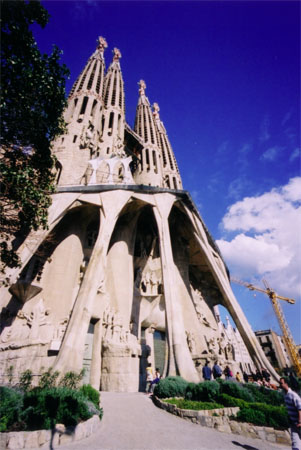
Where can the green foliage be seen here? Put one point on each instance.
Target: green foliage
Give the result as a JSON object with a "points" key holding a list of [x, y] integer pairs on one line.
{"points": [[251, 416], [11, 403], [72, 379], [44, 408], [207, 391], [228, 401], [48, 379], [235, 389], [189, 404], [25, 380], [264, 395], [171, 387], [32, 102], [10, 374], [264, 415], [275, 416], [91, 394]]}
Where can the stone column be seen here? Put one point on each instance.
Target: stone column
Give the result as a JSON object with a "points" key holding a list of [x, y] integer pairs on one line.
{"points": [[71, 353], [180, 361], [234, 308]]}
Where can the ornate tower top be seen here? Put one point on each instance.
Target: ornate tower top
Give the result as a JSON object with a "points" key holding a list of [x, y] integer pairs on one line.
{"points": [[156, 110], [117, 54], [102, 44], [142, 87]]}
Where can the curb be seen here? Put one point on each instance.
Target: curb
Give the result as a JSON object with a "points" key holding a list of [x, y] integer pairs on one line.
{"points": [[60, 435], [219, 420]]}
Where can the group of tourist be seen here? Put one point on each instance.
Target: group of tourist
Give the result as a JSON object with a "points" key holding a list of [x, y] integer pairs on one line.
{"points": [[217, 372], [261, 377], [152, 378]]}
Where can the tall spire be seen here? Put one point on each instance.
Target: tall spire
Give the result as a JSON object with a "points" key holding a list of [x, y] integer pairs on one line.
{"points": [[150, 168], [83, 117], [113, 120], [170, 171]]}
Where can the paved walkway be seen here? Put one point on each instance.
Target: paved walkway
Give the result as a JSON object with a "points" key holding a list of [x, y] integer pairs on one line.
{"points": [[132, 422]]}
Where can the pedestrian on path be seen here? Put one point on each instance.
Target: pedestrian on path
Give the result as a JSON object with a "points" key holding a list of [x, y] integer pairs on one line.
{"points": [[217, 370], [149, 378], [207, 372], [293, 405]]}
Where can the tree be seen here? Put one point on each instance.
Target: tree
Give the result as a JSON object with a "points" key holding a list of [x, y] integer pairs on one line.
{"points": [[32, 103]]}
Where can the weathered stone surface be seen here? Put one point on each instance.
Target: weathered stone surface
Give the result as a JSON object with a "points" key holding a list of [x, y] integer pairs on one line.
{"points": [[31, 439], [15, 440]]}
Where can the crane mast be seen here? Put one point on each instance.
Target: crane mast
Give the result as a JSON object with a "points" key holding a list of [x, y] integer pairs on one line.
{"points": [[287, 336]]}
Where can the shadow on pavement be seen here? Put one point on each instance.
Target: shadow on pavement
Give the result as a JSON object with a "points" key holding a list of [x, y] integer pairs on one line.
{"points": [[245, 446]]}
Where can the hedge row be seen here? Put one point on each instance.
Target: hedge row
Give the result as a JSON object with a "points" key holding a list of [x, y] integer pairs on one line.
{"points": [[258, 405], [42, 408]]}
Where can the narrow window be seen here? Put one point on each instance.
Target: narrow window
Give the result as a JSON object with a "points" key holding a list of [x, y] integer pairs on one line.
{"points": [[93, 109], [111, 122], [98, 80], [114, 90], [74, 138], [175, 182], [147, 158], [155, 161], [92, 76], [84, 105]]}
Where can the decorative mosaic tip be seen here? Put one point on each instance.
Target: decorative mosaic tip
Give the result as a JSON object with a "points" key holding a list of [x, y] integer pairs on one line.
{"points": [[117, 54], [156, 110], [142, 87], [101, 44]]}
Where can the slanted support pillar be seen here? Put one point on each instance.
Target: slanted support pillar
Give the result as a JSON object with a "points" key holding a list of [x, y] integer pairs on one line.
{"points": [[180, 361]]}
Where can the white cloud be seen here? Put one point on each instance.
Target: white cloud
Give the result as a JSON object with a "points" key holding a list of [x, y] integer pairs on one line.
{"points": [[295, 154], [271, 153], [267, 241]]}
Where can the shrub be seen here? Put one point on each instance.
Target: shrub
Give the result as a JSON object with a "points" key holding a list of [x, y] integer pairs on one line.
{"points": [[228, 401], [263, 395], [48, 379], [207, 391], [236, 390], [72, 379], [11, 403], [188, 404], [275, 416], [91, 394], [43, 408], [251, 416], [171, 387], [25, 380]]}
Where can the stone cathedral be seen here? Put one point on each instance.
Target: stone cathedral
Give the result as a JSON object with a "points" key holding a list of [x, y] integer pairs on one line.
{"points": [[127, 272]]}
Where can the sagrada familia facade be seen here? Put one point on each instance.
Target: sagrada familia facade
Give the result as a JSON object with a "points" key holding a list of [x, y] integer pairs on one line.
{"points": [[127, 272]]}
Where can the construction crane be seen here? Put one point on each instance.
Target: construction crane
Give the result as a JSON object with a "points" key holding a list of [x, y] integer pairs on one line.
{"points": [[287, 336]]}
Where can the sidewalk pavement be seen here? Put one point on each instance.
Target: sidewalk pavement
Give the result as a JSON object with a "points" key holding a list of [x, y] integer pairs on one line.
{"points": [[132, 422]]}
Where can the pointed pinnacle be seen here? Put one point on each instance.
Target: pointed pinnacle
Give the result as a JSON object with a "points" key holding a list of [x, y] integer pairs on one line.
{"points": [[102, 44], [142, 87], [156, 110], [117, 54]]}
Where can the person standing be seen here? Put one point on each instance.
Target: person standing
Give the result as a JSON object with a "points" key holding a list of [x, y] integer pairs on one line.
{"points": [[207, 372], [217, 371], [238, 377], [149, 378], [293, 405]]}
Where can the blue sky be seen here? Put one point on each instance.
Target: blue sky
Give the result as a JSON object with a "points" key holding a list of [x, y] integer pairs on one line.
{"points": [[226, 77]]}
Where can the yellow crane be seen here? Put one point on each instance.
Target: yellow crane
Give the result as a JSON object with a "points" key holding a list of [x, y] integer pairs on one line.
{"points": [[287, 336]]}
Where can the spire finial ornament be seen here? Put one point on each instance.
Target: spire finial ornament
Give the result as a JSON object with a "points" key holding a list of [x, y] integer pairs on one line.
{"points": [[117, 54], [156, 110], [102, 44], [142, 87]]}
